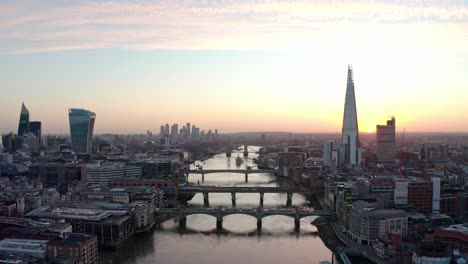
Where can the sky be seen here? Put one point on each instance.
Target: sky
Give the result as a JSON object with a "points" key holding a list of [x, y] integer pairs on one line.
{"points": [[232, 65]]}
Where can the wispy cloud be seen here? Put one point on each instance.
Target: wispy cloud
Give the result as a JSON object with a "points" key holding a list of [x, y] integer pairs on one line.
{"points": [[31, 26]]}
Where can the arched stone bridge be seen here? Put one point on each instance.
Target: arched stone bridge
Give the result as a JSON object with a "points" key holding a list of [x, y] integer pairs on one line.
{"points": [[246, 172], [259, 213]]}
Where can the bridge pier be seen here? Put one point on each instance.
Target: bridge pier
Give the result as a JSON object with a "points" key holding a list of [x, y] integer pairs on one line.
{"points": [[261, 199], [233, 199], [259, 225], [246, 177], [289, 199], [219, 223], [182, 223], [206, 201], [297, 223], [203, 177]]}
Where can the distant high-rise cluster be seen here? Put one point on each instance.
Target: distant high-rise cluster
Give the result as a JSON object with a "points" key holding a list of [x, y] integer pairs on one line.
{"points": [[187, 132], [81, 130], [29, 136]]}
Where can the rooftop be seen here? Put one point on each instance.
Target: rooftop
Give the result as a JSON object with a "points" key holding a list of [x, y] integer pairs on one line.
{"points": [[69, 213], [71, 239], [462, 228], [23, 245]]}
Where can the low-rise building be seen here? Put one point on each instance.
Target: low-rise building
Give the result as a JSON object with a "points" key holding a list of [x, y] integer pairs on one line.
{"points": [[103, 174], [455, 235], [432, 252], [112, 227], [115, 195], [33, 248], [367, 223], [58, 175], [80, 247]]}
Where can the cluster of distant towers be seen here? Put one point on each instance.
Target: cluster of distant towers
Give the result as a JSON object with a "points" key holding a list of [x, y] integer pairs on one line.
{"points": [[186, 132], [348, 151], [81, 131], [29, 133]]}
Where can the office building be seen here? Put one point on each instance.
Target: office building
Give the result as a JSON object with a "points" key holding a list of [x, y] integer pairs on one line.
{"points": [[161, 131], [1, 143], [187, 130], [420, 195], [166, 130], [23, 126], [366, 223], [29, 143], [9, 143], [105, 173], [174, 130], [115, 195], [81, 130], [385, 137], [195, 132], [424, 195], [328, 154], [444, 151], [35, 127], [112, 227], [350, 152]]}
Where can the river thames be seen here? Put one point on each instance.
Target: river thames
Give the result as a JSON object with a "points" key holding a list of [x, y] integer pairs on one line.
{"points": [[239, 243]]}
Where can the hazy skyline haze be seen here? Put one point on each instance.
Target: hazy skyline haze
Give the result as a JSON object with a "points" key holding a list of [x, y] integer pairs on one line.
{"points": [[235, 65]]}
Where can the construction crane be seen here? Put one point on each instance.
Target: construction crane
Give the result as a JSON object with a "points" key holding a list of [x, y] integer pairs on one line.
{"points": [[400, 162]]}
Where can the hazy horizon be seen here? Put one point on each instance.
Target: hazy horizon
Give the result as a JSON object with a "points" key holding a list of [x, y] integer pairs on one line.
{"points": [[234, 66]]}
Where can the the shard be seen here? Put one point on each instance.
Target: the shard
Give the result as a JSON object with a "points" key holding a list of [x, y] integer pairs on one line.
{"points": [[350, 152]]}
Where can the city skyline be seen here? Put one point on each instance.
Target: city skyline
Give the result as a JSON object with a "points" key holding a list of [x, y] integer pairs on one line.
{"points": [[267, 66]]}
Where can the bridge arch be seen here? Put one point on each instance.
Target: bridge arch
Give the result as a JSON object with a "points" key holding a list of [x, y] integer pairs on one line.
{"points": [[214, 214], [253, 214], [300, 216]]}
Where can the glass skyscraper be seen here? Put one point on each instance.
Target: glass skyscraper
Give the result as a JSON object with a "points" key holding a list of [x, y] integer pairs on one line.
{"points": [[35, 127], [350, 152], [81, 130], [23, 126], [1, 143]]}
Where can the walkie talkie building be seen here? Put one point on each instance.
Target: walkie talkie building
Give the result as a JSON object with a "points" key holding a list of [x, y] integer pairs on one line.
{"points": [[81, 130]]}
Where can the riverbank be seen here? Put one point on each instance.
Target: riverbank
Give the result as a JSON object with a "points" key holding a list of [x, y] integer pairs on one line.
{"points": [[333, 238], [324, 228]]}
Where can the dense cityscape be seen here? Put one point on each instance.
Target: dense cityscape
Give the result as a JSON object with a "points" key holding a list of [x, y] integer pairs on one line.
{"points": [[373, 197], [233, 132]]}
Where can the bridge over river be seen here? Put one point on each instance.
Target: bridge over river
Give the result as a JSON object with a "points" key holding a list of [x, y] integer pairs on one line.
{"points": [[243, 189], [259, 213], [246, 172]]}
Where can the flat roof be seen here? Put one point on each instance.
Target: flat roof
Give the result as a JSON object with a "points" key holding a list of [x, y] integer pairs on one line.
{"points": [[23, 245], [69, 213]]}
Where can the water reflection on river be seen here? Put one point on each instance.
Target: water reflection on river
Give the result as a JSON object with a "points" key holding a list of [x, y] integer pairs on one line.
{"points": [[240, 243]]}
